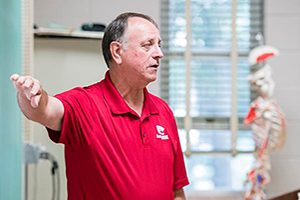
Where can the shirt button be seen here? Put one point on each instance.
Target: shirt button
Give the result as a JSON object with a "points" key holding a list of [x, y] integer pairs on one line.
{"points": [[144, 134]]}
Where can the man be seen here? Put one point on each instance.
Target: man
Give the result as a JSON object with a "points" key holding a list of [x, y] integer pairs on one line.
{"points": [[120, 141]]}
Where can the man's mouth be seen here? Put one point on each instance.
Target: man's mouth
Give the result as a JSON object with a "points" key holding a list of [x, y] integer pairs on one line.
{"points": [[155, 66]]}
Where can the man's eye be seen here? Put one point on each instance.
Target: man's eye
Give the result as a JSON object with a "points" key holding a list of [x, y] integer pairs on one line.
{"points": [[147, 45]]}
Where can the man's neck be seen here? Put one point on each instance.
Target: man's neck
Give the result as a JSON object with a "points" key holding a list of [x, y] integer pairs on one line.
{"points": [[133, 94]]}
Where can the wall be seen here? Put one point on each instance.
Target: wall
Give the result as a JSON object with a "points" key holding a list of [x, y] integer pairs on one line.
{"points": [[282, 30], [61, 64], [10, 115], [73, 14]]}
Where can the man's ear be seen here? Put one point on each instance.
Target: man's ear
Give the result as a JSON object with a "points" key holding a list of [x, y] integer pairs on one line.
{"points": [[116, 50]]}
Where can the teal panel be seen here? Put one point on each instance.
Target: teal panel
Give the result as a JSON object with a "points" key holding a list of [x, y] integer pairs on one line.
{"points": [[10, 117]]}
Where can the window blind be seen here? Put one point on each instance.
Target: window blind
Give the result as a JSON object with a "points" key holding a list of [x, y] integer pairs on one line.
{"points": [[210, 63], [210, 165]]}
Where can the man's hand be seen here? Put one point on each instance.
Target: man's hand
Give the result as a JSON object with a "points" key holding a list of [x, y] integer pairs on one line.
{"points": [[28, 87], [36, 104]]}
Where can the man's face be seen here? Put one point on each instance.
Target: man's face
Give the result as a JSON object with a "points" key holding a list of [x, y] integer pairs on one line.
{"points": [[142, 50]]}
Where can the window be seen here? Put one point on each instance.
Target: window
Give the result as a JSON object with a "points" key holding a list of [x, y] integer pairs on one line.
{"points": [[209, 140]]}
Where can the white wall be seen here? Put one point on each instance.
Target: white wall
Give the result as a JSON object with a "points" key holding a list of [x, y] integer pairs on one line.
{"points": [[74, 13], [282, 30], [61, 64]]}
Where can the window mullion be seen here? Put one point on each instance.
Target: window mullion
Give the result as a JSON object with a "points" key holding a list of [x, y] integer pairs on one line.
{"points": [[234, 61], [187, 57]]}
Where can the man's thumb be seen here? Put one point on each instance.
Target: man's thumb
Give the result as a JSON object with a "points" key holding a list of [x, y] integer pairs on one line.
{"points": [[35, 100]]}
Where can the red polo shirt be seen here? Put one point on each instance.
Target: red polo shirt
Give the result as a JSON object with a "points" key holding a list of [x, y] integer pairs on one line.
{"points": [[112, 153]]}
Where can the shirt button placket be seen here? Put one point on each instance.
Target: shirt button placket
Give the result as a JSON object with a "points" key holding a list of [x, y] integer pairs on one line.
{"points": [[144, 136]]}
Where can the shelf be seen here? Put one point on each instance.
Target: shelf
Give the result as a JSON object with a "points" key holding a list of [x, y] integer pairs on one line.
{"points": [[67, 33]]}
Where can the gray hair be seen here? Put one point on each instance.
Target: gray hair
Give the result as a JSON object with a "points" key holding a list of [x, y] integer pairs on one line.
{"points": [[115, 32]]}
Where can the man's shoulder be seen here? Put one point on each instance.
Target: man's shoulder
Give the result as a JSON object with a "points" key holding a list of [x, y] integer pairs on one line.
{"points": [[157, 99], [94, 88], [81, 92], [160, 103]]}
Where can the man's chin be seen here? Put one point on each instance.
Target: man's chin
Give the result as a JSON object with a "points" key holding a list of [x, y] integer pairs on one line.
{"points": [[151, 79]]}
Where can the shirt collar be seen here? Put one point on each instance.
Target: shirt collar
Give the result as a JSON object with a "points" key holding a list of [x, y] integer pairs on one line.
{"points": [[118, 105]]}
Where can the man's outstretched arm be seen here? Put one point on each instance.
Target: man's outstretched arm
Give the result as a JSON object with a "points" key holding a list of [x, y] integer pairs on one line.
{"points": [[36, 104]]}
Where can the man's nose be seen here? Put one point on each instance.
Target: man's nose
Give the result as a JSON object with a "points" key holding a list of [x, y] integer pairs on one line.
{"points": [[158, 52]]}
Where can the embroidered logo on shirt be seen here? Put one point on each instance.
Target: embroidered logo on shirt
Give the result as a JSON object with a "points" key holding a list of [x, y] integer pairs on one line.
{"points": [[161, 133]]}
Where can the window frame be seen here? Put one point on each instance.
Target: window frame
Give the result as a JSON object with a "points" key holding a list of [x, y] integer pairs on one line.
{"points": [[204, 123], [200, 123]]}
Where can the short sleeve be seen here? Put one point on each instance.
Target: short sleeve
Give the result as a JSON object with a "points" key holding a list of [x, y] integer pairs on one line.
{"points": [[180, 175], [75, 120]]}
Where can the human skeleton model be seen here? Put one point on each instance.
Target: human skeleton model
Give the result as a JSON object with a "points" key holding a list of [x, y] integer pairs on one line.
{"points": [[266, 120]]}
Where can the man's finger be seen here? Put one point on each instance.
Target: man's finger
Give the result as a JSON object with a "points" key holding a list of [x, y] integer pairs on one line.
{"points": [[35, 100], [28, 83], [35, 89], [14, 77], [21, 80]]}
